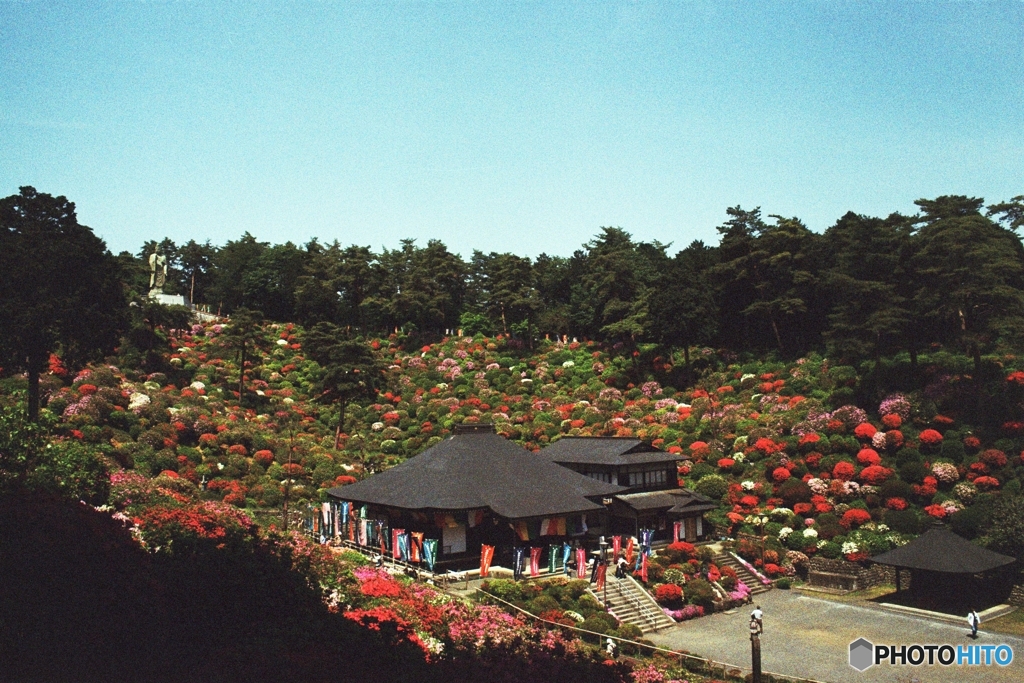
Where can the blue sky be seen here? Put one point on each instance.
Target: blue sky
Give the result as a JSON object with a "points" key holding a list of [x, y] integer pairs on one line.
{"points": [[503, 126]]}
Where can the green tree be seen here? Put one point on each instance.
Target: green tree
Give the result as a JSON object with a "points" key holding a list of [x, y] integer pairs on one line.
{"points": [[196, 263], [232, 261], [244, 334], [867, 278], [969, 275], [683, 301], [59, 287], [503, 287], [420, 289], [269, 283], [351, 371], [1009, 213]]}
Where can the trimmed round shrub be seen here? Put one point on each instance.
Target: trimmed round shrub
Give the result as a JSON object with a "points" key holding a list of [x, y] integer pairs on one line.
{"points": [[713, 486]]}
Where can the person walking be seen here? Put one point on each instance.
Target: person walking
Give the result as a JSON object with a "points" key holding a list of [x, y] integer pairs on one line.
{"points": [[974, 620], [611, 648], [758, 616], [620, 568]]}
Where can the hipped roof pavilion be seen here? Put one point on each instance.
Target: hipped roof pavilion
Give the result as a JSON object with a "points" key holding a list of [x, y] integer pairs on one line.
{"points": [[476, 468], [940, 550]]}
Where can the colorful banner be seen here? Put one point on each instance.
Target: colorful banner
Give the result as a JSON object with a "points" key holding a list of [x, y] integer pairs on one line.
{"points": [[430, 552], [629, 551], [395, 550], [616, 547], [517, 562], [417, 546], [535, 561], [552, 526], [677, 528], [345, 509], [581, 563], [403, 546], [643, 567], [486, 556], [566, 553], [476, 517], [602, 571], [522, 532]]}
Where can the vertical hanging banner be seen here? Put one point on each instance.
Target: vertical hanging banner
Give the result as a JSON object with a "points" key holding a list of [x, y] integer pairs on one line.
{"points": [[616, 547], [403, 546], [535, 561], [486, 556], [430, 552], [677, 528], [517, 562], [602, 571], [581, 563], [629, 550], [566, 554], [554, 552], [643, 567], [396, 548], [415, 551]]}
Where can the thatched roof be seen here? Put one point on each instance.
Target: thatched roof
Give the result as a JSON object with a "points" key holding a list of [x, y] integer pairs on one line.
{"points": [[479, 469], [606, 450], [940, 550]]}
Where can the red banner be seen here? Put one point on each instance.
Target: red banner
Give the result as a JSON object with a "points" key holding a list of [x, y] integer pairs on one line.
{"points": [[535, 561], [486, 556]]}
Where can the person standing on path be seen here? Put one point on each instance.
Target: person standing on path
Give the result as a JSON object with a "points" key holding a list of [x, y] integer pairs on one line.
{"points": [[973, 619], [758, 616]]}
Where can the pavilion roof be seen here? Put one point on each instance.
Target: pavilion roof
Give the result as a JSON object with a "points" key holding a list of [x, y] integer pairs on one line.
{"points": [[606, 450], [940, 550], [480, 469]]}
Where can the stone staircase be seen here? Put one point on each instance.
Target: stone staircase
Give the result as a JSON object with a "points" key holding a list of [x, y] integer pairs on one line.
{"points": [[744, 574], [630, 603]]}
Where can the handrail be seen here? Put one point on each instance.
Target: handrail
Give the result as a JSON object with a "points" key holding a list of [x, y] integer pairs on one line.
{"points": [[646, 608]]}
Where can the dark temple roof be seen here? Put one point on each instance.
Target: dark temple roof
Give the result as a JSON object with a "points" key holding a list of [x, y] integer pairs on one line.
{"points": [[673, 500], [606, 450], [940, 550], [478, 469]]}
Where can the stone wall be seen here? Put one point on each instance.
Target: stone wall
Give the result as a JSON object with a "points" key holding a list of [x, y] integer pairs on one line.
{"points": [[1016, 596], [841, 574]]}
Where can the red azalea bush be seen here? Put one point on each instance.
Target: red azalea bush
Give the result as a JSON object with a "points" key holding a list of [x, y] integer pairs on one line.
{"points": [[936, 511], [237, 449], [264, 457], [993, 457], [930, 437], [780, 474], [726, 463], [854, 517], [868, 456], [843, 470], [803, 508], [865, 430], [668, 594], [986, 483], [87, 389], [892, 421], [896, 503], [749, 501], [875, 474]]}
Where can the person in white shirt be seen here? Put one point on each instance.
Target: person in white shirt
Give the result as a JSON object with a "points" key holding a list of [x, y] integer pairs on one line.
{"points": [[973, 619], [758, 616]]}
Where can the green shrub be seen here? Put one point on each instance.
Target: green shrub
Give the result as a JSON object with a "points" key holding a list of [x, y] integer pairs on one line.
{"points": [[903, 521], [713, 486], [783, 583], [700, 592], [542, 603]]}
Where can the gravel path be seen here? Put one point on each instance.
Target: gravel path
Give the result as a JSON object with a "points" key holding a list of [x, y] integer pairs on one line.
{"points": [[809, 637]]}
